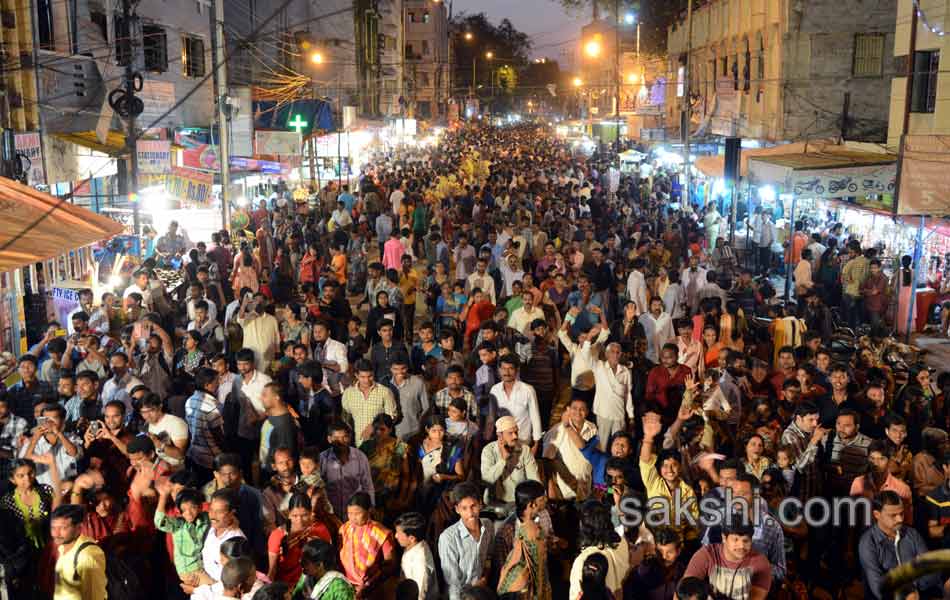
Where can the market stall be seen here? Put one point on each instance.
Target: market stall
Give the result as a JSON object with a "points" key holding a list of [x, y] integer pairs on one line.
{"points": [[46, 242]]}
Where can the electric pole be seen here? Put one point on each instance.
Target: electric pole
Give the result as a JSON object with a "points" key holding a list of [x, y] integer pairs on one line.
{"points": [[220, 72], [133, 108], [688, 108]]}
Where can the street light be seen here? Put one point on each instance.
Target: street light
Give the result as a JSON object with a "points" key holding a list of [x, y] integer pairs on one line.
{"points": [[489, 55], [316, 58], [468, 36], [629, 18], [578, 82], [632, 77], [592, 48]]}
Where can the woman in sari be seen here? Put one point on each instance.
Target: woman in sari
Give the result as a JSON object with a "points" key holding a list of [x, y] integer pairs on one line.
{"points": [[285, 544], [712, 347], [367, 549], [525, 572], [292, 329], [389, 464]]}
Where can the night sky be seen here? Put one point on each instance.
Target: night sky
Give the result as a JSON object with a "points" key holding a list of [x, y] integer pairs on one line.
{"points": [[552, 29]]}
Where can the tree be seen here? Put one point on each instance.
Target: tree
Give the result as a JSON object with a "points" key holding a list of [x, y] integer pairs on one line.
{"points": [[474, 36], [507, 79], [654, 17]]}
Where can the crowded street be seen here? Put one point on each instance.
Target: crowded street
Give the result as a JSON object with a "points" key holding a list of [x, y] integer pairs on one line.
{"points": [[493, 368]]}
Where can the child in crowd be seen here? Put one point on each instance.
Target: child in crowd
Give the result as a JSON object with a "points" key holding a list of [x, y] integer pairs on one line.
{"points": [[188, 531]]}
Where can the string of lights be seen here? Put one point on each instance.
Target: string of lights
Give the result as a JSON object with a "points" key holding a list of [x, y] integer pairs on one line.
{"points": [[926, 23]]}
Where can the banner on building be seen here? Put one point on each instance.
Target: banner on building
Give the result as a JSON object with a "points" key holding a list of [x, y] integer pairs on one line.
{"points": [[30, 146], [154, 156], [201, 156], [925, 176], [64, 301], [277, 143], [844, 182], [190, 186]]}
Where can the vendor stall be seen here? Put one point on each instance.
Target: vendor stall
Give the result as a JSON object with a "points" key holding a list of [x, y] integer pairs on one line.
{"points": [[46, 241]]}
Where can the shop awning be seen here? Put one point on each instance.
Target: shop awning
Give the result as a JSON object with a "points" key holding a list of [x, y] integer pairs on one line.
{"points": [[714, 166], [830, 173], [114, 145], [35, 226]]}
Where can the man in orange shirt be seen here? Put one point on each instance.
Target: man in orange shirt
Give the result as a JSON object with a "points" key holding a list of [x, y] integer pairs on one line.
{"points": [[338, 265], [408, 284], [793, 252]]}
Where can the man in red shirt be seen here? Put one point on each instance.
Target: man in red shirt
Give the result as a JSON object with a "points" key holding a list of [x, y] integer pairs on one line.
{"points": [[663, 378], [787, 369]]}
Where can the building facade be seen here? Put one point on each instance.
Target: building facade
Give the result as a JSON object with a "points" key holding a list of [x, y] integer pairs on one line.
{"points": [[783, 70], [427, 69]]}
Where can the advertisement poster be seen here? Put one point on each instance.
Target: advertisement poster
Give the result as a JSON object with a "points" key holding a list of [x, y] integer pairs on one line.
{"points": [[64, 301], [925, 177], [155, 156], [193, 187], [29, 145]]}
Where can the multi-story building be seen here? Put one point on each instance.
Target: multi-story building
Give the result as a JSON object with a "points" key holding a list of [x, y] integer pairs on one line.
{"points": [[79, 55], [925, 169], [427, 80], [783, 70]]}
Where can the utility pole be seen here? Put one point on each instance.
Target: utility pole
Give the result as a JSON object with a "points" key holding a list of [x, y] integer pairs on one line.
{"points": [[221, 98], [688, 108], [132, 105], [619, 80]]}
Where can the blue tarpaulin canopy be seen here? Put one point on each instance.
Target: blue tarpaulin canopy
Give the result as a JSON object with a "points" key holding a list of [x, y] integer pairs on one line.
{"points": [[317, 115]]}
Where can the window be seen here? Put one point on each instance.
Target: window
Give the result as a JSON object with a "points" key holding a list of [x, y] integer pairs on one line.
{"points": [[680, 81], [747, 71], [44, 14], [424, 80], [725, 66], [923, 96], [123, 51], [425, 17], [155, 48], [868, 55], [425, 47], [412, 17], [202, 5], [193, 56]]}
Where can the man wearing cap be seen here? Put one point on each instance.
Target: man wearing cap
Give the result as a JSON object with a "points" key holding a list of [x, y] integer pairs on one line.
{"points": [[507, 462]]}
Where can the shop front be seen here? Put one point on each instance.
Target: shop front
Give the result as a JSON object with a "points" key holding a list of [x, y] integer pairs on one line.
{"points": [[48, 247]]}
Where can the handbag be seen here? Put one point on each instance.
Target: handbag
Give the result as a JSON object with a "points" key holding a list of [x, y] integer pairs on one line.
{"points": [[523, 583]]}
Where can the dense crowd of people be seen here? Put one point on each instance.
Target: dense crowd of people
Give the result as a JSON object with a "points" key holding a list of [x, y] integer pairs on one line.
{"points": [[549, 381]]}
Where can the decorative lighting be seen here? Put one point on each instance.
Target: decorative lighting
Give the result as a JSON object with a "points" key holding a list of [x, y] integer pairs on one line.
{"points": [[316, 58], [577, 82], [629, 18], [489, 55], [632, 77]]}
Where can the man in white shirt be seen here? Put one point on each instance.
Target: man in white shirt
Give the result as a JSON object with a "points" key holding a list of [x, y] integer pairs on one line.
{"points": [[168, 432], [510, 273], [247, 391], [195, 295], [580, 351], [613, 394], [637, 285], [331, 355], [417, 564], [261, 331], [518, 399], [482, 280], [222, 513], [693, 278], [141, 286], [521, 319], [395, 199], [658, 327]]}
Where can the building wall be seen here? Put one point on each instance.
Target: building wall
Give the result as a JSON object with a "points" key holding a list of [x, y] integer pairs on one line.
{"points": [[937, 122], [799, 59], [427, 57]]}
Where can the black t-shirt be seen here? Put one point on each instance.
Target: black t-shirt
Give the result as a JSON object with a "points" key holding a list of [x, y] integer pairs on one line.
{"points": [[279, 432]]}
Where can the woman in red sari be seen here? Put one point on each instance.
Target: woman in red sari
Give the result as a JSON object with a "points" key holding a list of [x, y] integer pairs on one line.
{"points": [[367, 550], [285, 544]]}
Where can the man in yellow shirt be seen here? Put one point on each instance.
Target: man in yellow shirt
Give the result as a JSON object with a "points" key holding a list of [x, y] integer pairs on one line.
{"points": [[81, 566], [664, 480], [408, 284]]}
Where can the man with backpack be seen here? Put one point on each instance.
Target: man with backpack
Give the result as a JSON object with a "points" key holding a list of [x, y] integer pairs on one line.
{"points": [[81, 566]]}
